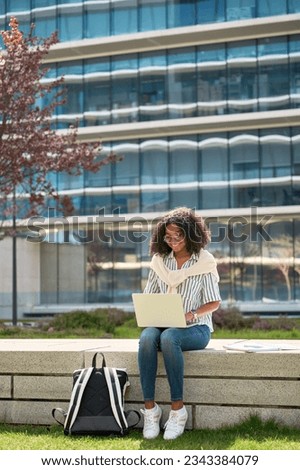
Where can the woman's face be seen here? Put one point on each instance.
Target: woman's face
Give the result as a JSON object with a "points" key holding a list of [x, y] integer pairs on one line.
{"points": [[175, 238]]}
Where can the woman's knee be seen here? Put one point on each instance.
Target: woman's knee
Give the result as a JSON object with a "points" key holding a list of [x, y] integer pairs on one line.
{"points": [[149, 336], [169, 338]]}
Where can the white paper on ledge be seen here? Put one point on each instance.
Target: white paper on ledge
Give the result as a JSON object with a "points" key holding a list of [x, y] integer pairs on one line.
{"points": [[259, 347]]}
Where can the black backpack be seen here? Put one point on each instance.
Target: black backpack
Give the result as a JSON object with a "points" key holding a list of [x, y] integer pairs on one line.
{"points": [[97, 402]]}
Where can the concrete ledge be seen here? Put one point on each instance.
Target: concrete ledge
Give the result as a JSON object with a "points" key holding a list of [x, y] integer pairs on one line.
{"points": [[221, 387]]}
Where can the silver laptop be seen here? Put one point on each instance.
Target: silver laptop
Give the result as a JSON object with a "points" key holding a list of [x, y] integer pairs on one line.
{"points": [[160, 310]]}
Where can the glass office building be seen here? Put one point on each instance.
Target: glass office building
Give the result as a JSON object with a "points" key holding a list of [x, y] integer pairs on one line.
{"points": [[202, 100]]}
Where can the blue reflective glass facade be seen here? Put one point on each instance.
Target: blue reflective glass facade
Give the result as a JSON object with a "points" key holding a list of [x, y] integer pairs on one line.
{"points": [[210, 122], [77, 19], [206, 171], [207, 80]]}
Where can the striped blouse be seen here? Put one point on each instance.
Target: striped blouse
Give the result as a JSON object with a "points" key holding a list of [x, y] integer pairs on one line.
{"points": [[195, 290]]}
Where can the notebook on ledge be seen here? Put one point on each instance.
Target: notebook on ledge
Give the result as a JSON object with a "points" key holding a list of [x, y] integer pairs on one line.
{"points": [[161, 310]]}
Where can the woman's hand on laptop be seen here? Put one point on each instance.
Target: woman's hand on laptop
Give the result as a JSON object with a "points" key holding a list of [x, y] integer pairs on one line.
{"points": [[210, 307], [191, 317]]}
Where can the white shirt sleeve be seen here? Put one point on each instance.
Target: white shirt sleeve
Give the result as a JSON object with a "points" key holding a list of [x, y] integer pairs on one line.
{"points": [[210, 289]]}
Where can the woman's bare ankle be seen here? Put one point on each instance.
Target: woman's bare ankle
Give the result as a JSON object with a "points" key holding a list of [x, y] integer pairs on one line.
{"points": [[177, 405], [149, 404]]}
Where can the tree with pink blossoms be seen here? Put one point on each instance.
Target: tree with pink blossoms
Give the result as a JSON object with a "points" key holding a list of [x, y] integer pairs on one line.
{"points": [[31, 150]]}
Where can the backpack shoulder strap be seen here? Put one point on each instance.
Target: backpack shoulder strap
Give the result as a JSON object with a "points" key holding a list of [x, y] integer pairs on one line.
{"points": [[76, 397], [62, 412], [116, 396]]}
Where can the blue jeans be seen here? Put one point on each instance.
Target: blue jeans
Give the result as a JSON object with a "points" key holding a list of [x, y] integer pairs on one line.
{"points": [[171, 342]]}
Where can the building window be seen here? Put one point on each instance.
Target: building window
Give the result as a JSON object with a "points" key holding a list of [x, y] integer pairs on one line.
{"points": [[97, 92], [182, 83], [242, 77], [153, 86], [240, 9], [244, 169], [152, 15], [183, 171], [70, 21], [275, 167], [124, 17], [154, 175], [181, 13], [97, 19], [275, 7], [213, 171], [210, 11], [212, 78], [124, 83], [273, 74]]}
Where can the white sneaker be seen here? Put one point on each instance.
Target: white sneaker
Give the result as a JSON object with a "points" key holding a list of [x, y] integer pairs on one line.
{"points": [[175, 425], [151, 422]]}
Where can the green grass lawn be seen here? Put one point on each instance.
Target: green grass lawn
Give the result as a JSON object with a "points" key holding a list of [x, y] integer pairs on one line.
{"points": [[130, 332], [250, 435]]}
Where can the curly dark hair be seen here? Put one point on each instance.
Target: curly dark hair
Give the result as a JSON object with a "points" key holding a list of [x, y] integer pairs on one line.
{"points": [[192, 226]]}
